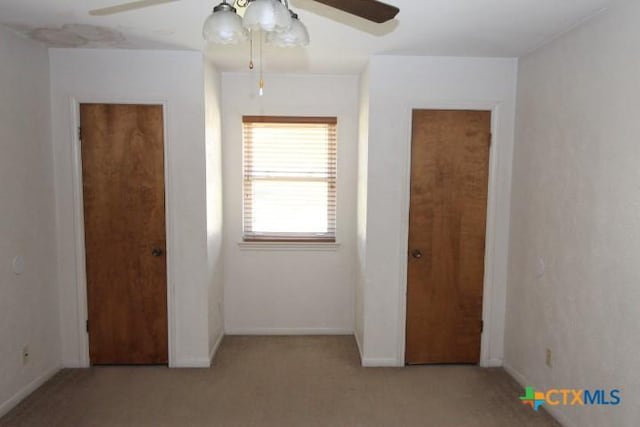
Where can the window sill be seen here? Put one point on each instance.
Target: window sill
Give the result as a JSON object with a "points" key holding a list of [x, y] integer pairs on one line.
{"points": [[289, 246]]}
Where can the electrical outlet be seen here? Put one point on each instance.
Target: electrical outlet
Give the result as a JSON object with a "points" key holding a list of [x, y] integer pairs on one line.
{"points": [[25, 354], [548, 358]]}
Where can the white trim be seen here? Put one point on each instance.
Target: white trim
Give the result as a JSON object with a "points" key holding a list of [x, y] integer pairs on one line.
{"points": [[379, 363], [520, 379], [288, 331], [78, 219], [373, 362], [79, 249], [355, 335], [14, 400], [490, 245], [215, 347], [289, 246], [490, 261], [492, 363], [551, 410], [192, 363]]}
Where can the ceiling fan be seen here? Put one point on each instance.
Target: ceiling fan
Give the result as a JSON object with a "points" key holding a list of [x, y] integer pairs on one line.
{"points": [[371, 10], [274, 19]]}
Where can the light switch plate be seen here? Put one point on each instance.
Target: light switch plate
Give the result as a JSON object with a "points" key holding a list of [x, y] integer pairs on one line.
{"points": [[18, 265], [540, 268]]}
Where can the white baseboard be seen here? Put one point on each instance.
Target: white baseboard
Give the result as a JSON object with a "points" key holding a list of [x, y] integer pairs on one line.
{"points": [[369, 362], [375, 363], [520, 379], [13, 401], [355, 335], [552, 410], [191, 363], [215, 347], [288, 331], [491, 363]]}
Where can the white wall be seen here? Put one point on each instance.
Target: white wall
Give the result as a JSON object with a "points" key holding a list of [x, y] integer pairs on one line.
{"points": [[575, 205], [174, 78], [398, 85], [280, 291], [361, 227], [213, 133], [28, 302]]}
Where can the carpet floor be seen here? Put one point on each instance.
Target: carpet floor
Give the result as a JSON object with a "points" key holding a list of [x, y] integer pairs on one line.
{"points": [[279, 381]]}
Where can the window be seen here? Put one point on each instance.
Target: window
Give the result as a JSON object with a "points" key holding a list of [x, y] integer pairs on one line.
{"points": [[289, 178]]}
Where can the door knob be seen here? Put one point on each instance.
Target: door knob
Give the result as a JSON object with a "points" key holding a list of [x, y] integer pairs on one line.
{"points": [[416, 253], [157, 252]]}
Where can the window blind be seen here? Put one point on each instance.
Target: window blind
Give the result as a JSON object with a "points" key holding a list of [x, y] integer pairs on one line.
{"points": [[289, 178]]}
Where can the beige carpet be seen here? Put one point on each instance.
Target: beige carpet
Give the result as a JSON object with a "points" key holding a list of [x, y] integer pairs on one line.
{"points": [[279, 381]]}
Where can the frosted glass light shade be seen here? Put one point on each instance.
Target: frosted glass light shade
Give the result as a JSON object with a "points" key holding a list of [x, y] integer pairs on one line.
{"points": [[295, 36], [267, 15], [224, 26]]}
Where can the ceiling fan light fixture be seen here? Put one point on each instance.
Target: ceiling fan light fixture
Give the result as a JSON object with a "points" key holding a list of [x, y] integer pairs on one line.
{"points": [[224, 26], [296, 36], [267, 15]]}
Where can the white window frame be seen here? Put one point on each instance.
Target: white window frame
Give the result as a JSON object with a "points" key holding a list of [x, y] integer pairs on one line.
{"points": [[297, 241]]}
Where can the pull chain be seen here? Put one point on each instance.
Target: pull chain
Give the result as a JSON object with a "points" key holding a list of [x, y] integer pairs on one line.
{"points": [[261, 84], [251, 49]]}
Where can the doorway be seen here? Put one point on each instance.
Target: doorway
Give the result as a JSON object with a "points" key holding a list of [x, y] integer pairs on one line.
{"points": [[447, 230], [122, 152]]}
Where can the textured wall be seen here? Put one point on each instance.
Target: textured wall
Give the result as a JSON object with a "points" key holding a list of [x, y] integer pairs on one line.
{"points": [[289, 291], [575, 207], [397, 85], [136, 76], [213, 135], [28, 302], [363, 145]]}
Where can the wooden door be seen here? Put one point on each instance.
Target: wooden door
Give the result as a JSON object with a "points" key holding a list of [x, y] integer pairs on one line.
{"points": [[124, 217], [447, 223]]}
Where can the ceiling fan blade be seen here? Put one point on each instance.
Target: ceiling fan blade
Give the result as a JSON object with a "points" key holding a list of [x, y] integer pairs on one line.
{"points": [[127, 6], [371, 10]]}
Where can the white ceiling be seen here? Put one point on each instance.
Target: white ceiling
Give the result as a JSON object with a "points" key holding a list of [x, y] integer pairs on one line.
{"points": [[339, 42]]}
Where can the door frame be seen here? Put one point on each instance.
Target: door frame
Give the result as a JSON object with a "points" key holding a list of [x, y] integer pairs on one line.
{"points": [[489, 292], [78, 222]]}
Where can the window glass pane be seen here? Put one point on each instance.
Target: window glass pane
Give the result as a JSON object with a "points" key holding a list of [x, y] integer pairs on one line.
{"points": [[289, 207]]}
